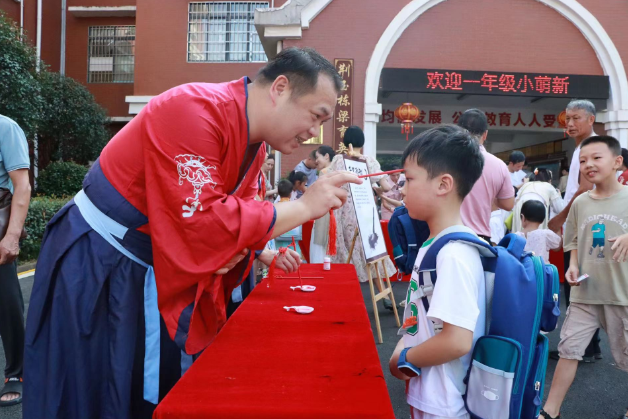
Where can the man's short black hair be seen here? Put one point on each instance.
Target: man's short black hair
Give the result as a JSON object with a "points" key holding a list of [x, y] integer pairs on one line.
{"points": [[301, 66], [624, 154], [354, 136], [284, 188], [312, 154], [516, 157], [474, 121], [326, 150], [611, 142], [448, 149], [534, 211]]}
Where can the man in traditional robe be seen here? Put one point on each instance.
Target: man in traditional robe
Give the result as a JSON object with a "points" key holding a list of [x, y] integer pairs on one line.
{"points": [[135, 272]]}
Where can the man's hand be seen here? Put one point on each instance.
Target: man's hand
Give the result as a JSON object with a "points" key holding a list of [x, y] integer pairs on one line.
{"points": [[556, 223], [620, 246], [288, 262], [233, 262], [9, 249], [326, 193], [572, 276], [394, 359]]}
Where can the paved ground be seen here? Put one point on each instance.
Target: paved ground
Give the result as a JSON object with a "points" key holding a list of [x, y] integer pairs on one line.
{"points": [[599, 392]]}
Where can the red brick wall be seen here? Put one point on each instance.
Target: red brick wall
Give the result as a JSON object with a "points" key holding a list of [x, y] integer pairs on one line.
{"points": [[504, 35], [11, 9], [51, 33], [100, 3], [161, 51], [613, 16], [109, 95]]}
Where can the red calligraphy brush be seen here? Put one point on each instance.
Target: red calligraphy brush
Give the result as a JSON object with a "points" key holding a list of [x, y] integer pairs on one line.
{"points": [[382, 173]]}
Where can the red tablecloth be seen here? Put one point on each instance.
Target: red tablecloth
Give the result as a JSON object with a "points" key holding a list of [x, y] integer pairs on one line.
{"points": [[268, 363]]}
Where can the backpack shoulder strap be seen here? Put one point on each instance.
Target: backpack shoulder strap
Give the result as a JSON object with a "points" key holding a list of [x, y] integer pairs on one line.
{"points": [[408, 229], [428, 263]]}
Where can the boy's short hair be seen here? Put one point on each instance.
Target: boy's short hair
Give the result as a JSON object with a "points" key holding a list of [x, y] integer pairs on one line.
{"points": [[474, 121], [534, 211], [295, 177], [312, 154], [611, 142], [284, 188], [516, 157], [448, 149]]}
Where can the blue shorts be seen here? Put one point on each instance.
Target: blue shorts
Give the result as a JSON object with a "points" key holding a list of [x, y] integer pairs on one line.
{"points": [[597, 242]]}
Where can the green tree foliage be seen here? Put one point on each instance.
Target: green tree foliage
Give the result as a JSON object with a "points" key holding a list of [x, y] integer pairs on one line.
{"points": [[69, 124], [72, 125], [20, 91], [40, 211], [61, 179]]}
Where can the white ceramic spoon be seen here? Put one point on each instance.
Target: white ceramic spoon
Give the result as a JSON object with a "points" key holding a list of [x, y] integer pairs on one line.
{"points": [[300, 309], [305, 288]]}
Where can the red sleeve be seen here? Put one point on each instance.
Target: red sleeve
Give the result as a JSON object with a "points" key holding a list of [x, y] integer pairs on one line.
{"points": [[196, 226]]}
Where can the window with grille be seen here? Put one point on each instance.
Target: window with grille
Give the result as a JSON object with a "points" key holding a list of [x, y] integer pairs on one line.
{"points": [[224, 31], [111, 54]]}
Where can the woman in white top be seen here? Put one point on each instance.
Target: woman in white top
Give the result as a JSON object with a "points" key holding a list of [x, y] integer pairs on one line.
{"points": [[320, 232], [346, 221], [541, 189]]}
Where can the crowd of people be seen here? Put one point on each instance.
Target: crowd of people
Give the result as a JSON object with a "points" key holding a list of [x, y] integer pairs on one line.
{"points": [[111, 293]]}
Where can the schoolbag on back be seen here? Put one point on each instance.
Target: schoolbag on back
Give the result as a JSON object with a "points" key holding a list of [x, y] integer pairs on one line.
{"points": [[507, 372], [406, 235]]}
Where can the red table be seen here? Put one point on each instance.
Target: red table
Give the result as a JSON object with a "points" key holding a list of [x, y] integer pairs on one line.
{"points": [[268, 363]]}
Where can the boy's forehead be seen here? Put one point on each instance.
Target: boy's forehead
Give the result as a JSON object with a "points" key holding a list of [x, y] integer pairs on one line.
{"points": [[595, 148], [410, 164]]}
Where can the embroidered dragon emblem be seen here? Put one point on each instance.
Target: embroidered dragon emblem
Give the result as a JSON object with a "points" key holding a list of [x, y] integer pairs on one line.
{"points": [[195, 170]]}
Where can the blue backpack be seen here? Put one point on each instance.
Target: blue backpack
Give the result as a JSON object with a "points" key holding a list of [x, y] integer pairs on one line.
{"points": [[407, 235], [506, 376]]}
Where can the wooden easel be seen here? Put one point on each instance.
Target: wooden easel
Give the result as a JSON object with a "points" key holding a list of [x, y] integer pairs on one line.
{"points": [[385, 291]]}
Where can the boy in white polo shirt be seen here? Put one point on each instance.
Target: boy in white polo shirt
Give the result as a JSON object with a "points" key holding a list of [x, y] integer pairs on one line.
{"points": [[441, 167]]}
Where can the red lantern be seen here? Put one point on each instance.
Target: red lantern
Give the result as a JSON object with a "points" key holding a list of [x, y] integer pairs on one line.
{"points": [[407, 113], [562, 121]]}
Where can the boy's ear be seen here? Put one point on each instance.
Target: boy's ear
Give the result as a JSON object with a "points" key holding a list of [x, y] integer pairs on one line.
{"points": [[619, 162], [446, 184]]}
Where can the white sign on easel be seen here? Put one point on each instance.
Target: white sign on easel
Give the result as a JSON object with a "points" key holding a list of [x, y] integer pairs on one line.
{"points": [[372, 237]]}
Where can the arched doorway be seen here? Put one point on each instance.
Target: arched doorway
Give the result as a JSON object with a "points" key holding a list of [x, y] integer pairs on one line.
{"points": [[615, 117]]}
